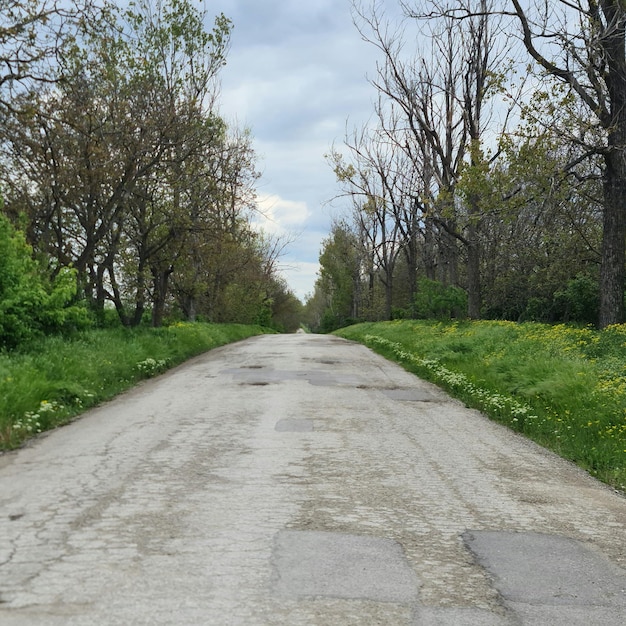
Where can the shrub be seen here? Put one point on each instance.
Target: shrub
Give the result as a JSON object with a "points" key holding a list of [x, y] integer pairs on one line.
{"points": [[434, 300], [31, 304], [579, 300]]}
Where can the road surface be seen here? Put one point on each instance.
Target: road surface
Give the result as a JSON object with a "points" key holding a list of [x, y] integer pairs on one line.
{"points": [[302, 480]]}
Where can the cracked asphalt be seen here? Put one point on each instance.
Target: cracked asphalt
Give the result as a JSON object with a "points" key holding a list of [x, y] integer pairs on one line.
{"points": [[302, 480]]}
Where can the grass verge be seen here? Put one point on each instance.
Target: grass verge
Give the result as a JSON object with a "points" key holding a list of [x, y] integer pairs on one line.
{"points": [[563, 387], [55, 379]]}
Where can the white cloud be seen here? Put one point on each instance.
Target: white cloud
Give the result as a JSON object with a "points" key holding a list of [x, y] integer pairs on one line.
{"points": [[279, 216]]}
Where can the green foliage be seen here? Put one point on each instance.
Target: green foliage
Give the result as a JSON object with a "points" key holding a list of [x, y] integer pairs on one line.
{"points": [[55, 378], [577, 301], [580, 299], [264, 314], [434, 300], [339, 263], [31, 304], [560, 385], [331, 321], [152, 190], [333, 304], [177, 28], [398, 313]]}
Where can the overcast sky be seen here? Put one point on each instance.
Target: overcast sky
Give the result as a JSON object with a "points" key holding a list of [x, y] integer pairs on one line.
{"points": [[296, 74]]}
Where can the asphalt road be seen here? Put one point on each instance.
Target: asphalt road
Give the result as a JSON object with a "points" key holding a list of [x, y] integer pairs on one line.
{"points": [[302, 480]]}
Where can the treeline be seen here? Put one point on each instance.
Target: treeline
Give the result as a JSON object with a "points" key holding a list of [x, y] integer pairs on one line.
{"points": [[491, 183], [121, 173]]}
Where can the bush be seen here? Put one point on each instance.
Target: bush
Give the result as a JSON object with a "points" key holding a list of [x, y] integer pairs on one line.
{"points": [[31, 304], [580, 300], [434, 300]]}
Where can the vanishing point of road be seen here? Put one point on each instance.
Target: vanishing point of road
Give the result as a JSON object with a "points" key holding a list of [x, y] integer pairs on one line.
{"points": [[302, 480]]}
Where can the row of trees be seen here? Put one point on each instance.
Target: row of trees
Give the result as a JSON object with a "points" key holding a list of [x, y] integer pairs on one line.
{"points": [[495, 163], [116, 163]]}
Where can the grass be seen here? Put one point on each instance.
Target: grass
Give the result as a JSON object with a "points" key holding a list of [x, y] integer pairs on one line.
{"points": [[562, 386], [53, 380]]}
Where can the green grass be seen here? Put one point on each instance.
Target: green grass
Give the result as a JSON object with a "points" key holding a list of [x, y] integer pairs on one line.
{"points": [[55, 379], [561, 386]]}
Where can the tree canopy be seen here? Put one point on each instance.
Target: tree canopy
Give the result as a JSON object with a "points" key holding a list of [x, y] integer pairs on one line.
{"points": [[494, 163], [117, 165]]}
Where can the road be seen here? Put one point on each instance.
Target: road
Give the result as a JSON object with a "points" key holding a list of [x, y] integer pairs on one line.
{"points": [[302, 480]]}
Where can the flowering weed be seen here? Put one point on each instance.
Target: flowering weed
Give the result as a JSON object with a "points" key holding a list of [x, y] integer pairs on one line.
{"points": [[151, 367]]}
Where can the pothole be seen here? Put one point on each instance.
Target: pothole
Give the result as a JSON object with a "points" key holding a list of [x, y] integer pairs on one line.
{"points": [[293, 425]]}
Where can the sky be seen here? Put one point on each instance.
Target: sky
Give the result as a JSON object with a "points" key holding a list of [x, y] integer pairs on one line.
{"points": [[296, 76]]}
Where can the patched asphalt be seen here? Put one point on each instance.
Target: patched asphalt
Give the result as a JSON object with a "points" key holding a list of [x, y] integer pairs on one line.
{"points": [[302, 480]]}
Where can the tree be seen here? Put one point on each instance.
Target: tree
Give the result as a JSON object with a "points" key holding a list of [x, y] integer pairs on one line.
{"points": [[97, 161], [543, 231], [32, 33], [583, 45], [125, 172], [340, 273], [220, 243], [443, 92], [372, 178]]}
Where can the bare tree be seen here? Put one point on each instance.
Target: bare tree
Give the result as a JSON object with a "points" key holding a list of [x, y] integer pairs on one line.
{"points": [[442, 90], [373, 177]]}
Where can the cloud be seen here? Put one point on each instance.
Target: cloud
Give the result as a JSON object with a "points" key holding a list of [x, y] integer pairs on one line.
{"points": [[290, 219], [278, 216], [296, 75]]}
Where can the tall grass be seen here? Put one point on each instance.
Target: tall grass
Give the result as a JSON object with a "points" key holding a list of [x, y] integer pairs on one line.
{"points": [[54, 379], [561, 386]]}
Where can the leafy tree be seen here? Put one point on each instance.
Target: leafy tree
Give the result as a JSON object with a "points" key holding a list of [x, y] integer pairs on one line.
{"points": [[129, 180], [340, 275], [580, 299], [287, 310], [544, 223], [97, 162]]}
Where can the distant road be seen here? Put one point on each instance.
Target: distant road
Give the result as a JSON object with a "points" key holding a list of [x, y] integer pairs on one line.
{"points": [[302, 480]]}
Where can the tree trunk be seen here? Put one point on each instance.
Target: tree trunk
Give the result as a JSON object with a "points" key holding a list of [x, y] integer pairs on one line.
{"points": [[449, 257], [389, 295], [411, 256], [472, 244], [117, 298], [474, 299], [140, 295], [189, 306], [613, 240], [430, 263], [612, 271], [161, 279]]}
